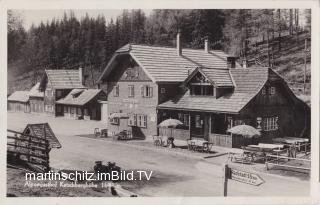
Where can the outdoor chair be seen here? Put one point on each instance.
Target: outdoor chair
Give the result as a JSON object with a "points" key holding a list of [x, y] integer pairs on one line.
{"points": [[104, 133], [97, 132], [156, 140]]}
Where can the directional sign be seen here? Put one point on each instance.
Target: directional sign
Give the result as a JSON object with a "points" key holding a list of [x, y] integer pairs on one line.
{"points": [[245, 177]]}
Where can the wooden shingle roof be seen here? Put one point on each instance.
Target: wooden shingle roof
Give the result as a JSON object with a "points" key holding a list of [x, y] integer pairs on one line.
{"points": [[79, 96], [163, 64], [19, 96], [218, 77], [248, 84], [43, 130], [35, 92], [64, 79]]}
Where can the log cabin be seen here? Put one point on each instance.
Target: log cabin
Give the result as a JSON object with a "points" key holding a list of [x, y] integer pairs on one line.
{"points": [[205, 89]]}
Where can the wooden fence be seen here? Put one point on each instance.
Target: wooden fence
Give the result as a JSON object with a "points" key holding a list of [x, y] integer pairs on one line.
{"points": [[287, 162], [220, 140], [28, 149]]}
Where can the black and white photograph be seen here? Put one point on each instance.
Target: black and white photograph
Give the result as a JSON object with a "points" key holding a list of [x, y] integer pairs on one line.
{"points": [[159, 102]]}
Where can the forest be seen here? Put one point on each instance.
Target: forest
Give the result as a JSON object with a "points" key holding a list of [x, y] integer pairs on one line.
{"points": [[71, 42]]}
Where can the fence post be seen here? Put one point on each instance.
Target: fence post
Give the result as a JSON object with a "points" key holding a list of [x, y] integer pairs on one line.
{"points": [[225, 171]]}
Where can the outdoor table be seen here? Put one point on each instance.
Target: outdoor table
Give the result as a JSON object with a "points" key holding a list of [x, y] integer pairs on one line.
{"points": [[290, 140], [271, 146], [200, 145], [294, 143]]}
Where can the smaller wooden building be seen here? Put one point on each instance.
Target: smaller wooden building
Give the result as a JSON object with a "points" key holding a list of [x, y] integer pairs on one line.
{"points": [[19, 101], [36, 99], [81, 104], [43, 130]]}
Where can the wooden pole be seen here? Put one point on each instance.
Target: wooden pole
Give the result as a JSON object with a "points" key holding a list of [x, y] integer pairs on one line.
{"points": [[305, 66], [189, 125], [225, 179]]}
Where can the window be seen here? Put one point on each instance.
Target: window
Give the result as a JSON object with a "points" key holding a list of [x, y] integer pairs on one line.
{"points": [[131, 91], [49, 93], [49, 108], [270, 123], [65, 109], [146, 91], [162, 90], [186, 119], [79, 111], [59, 93], [114, 121], [204, 90], [132, 121], [198, 121], [263, 91], [272, 90], [142, 121], [85, 111], [59, 108], [238, 122], [116, 91]]}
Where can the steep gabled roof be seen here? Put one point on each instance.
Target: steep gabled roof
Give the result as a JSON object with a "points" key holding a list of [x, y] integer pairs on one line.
{"points": [[163, 64], [248, 82], [79, 96], [218, 77], [35, 91], [64, 79], [43, 130], [19, 96]]}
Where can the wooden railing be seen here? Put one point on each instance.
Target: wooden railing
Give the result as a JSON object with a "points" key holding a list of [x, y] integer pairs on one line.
{"points": [[180, 134], [28, 149]]}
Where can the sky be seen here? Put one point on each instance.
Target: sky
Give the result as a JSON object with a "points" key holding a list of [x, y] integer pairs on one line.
{"points": [[36, 16]]}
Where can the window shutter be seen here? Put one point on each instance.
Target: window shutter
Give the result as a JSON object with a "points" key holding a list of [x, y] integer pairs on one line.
{"points": [[142, 90], [150, 92], [145, 121], [276, 122]]}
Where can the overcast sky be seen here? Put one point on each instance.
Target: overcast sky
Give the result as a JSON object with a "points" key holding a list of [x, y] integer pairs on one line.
{"points": [[36, 16]]}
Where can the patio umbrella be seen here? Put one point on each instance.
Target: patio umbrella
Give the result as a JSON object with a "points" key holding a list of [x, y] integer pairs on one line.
{"points": [[170, 123], [244, 130]]}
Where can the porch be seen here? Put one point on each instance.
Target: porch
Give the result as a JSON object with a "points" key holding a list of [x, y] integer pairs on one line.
{"points": [[207, 126]]}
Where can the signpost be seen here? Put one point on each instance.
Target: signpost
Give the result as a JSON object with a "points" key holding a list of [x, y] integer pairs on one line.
{"points": [[240, 176]]}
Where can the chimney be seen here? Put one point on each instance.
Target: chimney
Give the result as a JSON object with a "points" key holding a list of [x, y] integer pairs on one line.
{"points": [[81, 75], [206, 45], [179, 48], [231, 61], [244, 63]]}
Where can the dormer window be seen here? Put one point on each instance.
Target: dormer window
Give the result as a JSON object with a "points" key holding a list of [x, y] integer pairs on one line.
{"points": [[202, 90]]}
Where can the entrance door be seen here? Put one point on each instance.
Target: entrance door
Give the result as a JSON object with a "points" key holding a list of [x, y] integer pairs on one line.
{"points": [[197, 125], [93, 113]]}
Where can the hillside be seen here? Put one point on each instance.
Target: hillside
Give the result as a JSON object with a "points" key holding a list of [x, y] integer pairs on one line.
{"points": [[288, 62]]}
